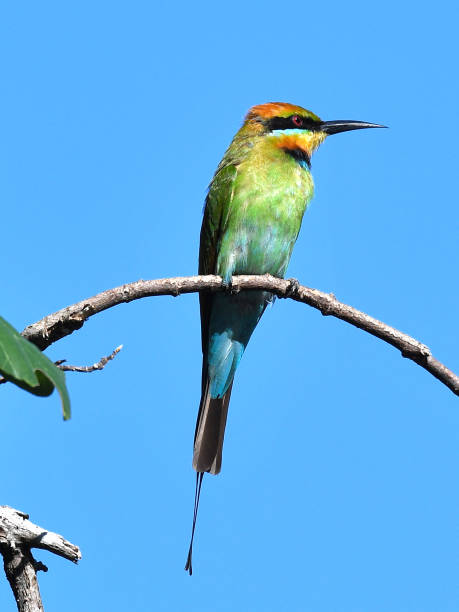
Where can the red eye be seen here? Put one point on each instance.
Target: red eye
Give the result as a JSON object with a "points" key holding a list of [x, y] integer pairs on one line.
{"points": [[297, 120]]}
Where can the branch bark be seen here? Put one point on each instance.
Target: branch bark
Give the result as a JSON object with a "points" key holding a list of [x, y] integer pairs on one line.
{"points": [[95, 367], [17, 537], [66, 367], [66, 321]]}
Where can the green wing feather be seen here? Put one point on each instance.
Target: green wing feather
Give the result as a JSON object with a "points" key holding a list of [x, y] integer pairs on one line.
{"points": [[216, 213]]}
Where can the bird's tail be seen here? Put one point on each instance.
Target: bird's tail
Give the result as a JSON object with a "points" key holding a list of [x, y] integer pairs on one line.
{"points": [[208, 446], [197, 494], [210, 431]]}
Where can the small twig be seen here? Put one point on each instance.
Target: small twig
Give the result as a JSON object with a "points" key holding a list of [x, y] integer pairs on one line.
{"points": [[100, 365], [17, 537], [65, 321]]}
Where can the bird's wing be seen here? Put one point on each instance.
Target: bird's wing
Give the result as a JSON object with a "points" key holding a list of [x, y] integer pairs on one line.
{"points": [[216, 214]]}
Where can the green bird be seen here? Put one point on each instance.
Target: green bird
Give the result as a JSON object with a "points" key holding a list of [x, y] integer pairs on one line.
{"points": [[252, 217]]}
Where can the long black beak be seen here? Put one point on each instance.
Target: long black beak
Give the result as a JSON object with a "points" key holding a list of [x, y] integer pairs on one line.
{"points": [[335, 127]]}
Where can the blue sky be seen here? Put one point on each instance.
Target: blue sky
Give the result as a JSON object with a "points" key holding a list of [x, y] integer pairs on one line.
{"points": [[339, 483]]}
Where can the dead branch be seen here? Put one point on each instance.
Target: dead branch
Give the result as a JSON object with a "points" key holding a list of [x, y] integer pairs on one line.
{"points": [[17, 537], [100, 365], [65, 321]]}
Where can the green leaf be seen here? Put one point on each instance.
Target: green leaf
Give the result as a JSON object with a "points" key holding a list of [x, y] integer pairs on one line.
{"points": [[22, 363]]}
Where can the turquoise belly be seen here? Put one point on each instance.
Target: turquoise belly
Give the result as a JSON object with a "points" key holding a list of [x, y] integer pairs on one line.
{"points": [[233, 319]]}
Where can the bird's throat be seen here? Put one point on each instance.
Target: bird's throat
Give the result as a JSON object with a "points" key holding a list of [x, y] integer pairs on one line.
{"points": [[300, 144], [301, 156]]}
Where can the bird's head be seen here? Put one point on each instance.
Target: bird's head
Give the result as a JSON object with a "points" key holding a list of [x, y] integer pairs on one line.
{"points": [[294, 129]]}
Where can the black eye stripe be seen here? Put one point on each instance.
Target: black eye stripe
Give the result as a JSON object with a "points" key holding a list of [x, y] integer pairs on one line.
{"points": [[287, 123]]}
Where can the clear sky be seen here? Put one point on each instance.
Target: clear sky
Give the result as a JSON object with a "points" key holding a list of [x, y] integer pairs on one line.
{"points": [[339, 484]]}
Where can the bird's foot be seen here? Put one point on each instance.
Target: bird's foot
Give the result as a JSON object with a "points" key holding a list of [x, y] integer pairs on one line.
{"points": [[228, 286], [292, 288]]}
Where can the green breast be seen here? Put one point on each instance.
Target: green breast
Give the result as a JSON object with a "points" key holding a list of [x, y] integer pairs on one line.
{"points": [[271, 191]]}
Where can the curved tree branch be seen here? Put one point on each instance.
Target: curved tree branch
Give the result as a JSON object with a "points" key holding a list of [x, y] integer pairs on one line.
{"points": [[65, 321]]}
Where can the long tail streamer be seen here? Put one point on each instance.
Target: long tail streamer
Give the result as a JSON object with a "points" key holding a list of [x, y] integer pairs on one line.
{"points": [[197, 494]]}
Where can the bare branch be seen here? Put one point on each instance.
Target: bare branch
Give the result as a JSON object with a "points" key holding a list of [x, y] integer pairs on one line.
{"points": [[65, 321], [100, 365], [17, 537]]}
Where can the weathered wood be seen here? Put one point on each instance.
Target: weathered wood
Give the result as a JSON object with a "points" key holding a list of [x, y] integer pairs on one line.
{"points": [[18, 536]]}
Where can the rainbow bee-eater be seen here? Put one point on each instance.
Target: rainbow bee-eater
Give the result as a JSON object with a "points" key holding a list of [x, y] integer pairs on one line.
{"points": [[252, 216]]}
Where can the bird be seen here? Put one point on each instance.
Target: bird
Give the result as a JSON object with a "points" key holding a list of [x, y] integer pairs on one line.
{"points": [[252, 216]]}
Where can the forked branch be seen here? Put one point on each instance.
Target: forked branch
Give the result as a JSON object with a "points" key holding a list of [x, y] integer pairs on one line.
{"points": [[17, 537]]}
